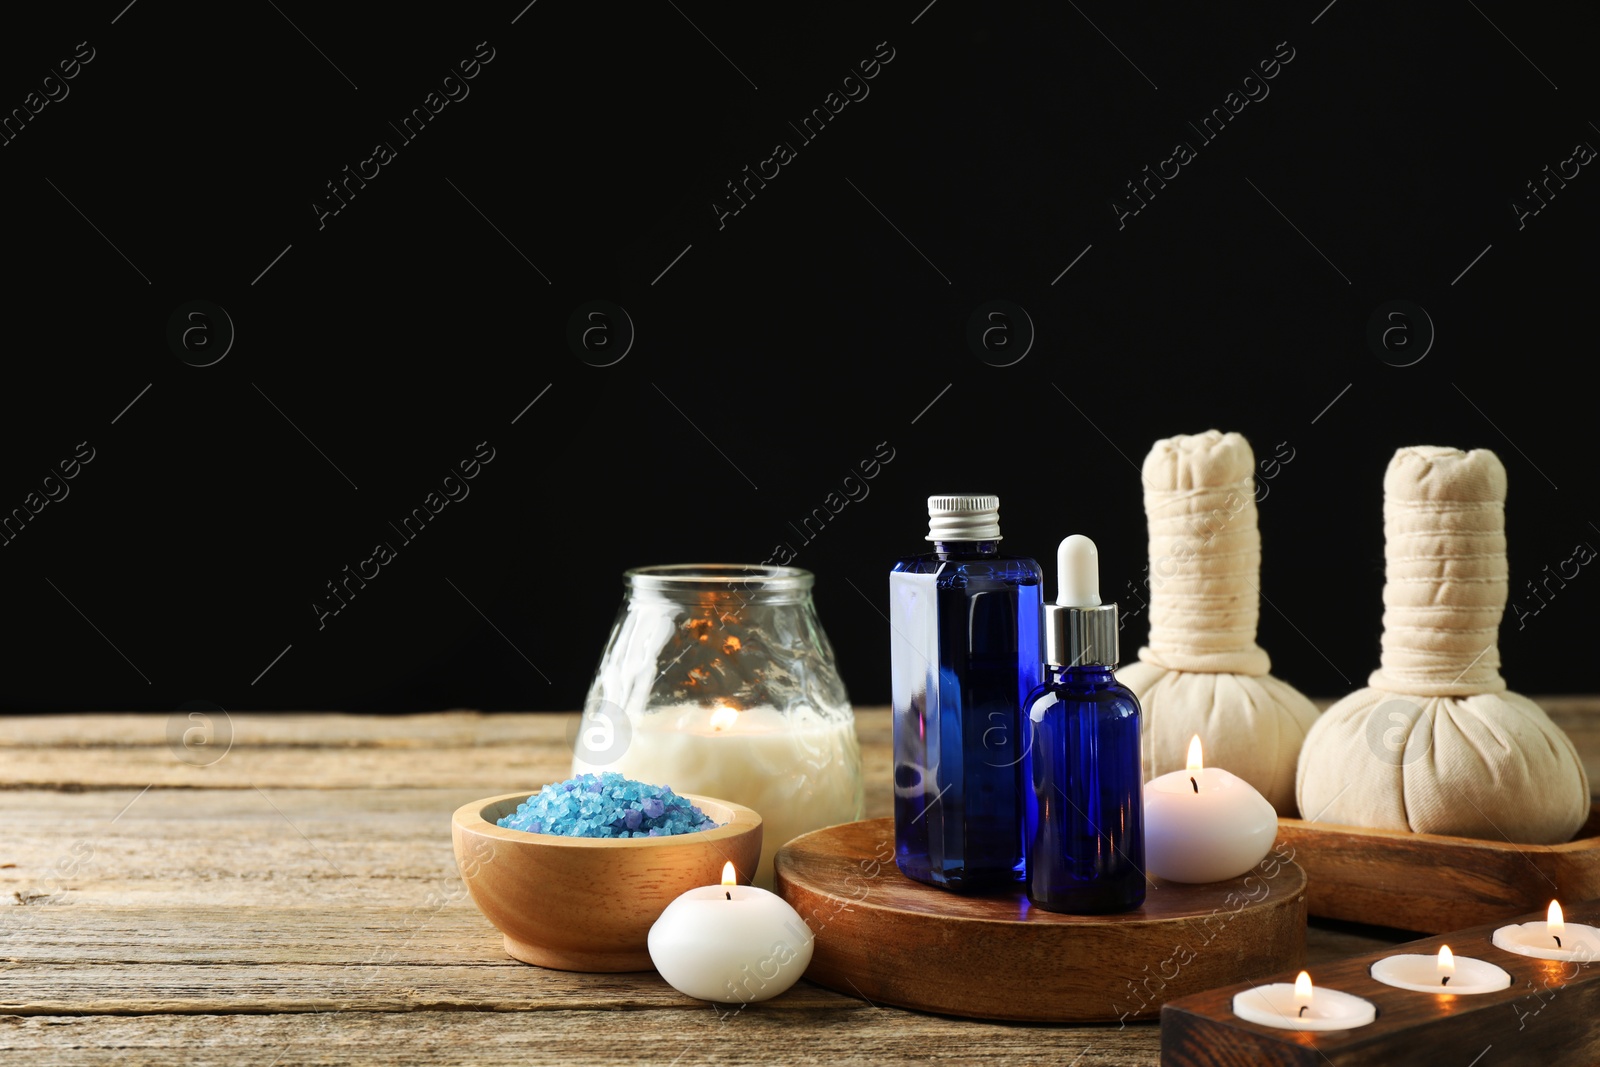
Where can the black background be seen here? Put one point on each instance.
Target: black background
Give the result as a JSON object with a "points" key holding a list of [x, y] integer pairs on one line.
{"points": [[781, 349]]}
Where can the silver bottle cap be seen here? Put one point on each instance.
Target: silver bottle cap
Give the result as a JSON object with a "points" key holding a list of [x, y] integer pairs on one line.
{"points": [[969, 517]]}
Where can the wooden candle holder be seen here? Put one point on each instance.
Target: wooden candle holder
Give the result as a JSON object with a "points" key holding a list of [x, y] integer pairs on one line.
{"points": [[1546, 1016]]}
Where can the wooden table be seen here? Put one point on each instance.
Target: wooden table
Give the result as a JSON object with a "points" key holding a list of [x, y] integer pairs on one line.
{"points": [[296, 901]]}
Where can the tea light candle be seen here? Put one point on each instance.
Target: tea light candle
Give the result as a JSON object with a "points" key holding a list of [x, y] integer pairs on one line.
{"points": [[730, 943], [1299, 1007], [801, 772], [1553, 939], [1444, 973], [1205, 824]]}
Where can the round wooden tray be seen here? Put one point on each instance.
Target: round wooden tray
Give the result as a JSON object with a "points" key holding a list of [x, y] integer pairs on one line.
{"points": [[891, 940]]}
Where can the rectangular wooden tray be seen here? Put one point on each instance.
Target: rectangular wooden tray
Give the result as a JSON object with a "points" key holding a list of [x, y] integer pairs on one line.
{"points": [[1430, 883], [1546, 1016]]}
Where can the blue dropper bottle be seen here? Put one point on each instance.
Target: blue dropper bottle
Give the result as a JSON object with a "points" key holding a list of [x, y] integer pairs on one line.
{"points": [[1084, 817]]}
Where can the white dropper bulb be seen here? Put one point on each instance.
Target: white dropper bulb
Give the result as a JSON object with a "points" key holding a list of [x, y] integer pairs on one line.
{"points": [[1077, 573]]}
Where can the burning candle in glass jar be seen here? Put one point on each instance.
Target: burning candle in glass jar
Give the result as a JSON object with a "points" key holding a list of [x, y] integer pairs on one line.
{"points": [[717, 679], [800, 771], [1205, 824]]}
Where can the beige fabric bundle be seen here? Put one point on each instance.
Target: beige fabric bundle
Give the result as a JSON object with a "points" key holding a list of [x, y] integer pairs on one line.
{"points": [[1201, 671], [1436, 743]]}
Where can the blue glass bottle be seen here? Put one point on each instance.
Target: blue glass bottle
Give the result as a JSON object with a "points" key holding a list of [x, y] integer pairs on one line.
{"points": [[965, 652], [1084, 815]]}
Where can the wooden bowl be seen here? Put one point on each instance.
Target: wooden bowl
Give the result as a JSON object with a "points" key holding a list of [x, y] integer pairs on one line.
{"points": [[587, 904]]}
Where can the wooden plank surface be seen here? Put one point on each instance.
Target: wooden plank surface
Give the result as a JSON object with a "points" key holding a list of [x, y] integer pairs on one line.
{"points": [[297, 902], [768, 1038]]}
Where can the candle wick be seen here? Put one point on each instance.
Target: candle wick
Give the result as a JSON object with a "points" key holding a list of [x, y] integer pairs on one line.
{"points": [[1194, 783], [1558, 939], [728, 894], [1303, 1008], [1445, 980]]}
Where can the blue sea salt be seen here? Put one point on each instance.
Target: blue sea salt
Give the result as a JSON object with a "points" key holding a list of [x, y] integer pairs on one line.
{"points": [[607, 805]]}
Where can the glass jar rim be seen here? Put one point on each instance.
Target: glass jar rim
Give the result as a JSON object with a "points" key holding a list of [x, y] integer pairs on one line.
{"points": [[669, 577]]}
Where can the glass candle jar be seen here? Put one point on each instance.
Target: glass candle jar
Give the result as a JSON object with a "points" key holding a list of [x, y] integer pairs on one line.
{"points": [[718, 679]]}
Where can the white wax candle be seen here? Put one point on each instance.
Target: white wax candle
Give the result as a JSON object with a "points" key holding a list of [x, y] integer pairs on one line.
{"points": [[1300, 1007], [1553, 939], [800, 773], [1444, 973], [730, 944], [1205, 824]]}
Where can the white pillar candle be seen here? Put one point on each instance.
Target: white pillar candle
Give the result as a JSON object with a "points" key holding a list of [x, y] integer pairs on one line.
{"points": [[799, 771], [1444, 973], [731, 944], [1553, 939], [1300, 1007], [1205, 824]]}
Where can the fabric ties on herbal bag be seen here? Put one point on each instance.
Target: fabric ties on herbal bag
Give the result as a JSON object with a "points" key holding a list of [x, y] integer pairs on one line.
{"points": [[1436, 743], [1201, 671]]}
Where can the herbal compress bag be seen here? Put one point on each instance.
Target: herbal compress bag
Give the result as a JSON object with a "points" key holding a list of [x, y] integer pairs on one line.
{"points": [[1436, 743], [1201, 671]]}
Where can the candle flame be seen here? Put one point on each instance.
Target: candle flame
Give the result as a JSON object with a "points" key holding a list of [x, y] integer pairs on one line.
{"points": [[723, 718], [728, 875], [1302, 989], [1447, 961], [1555, 924], [1194, 754]]}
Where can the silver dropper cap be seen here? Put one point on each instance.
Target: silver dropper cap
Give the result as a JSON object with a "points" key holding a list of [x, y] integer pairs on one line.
{"points": [[1079, 631]]}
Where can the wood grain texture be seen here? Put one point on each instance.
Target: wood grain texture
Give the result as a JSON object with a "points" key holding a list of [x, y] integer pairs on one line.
{"points": [[856, 1033], [1357, 873], [199, 958], [587, 904], [1546, 1016], [483, 753], [299, 902], [897, 941]]}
